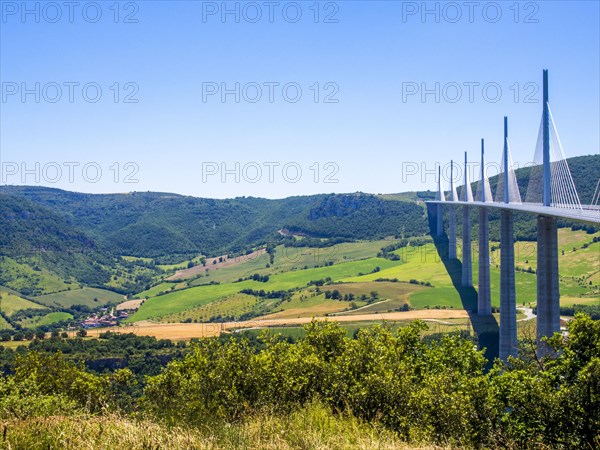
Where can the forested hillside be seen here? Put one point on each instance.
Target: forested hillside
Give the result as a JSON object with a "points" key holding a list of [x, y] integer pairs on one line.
{"points": [[157, 224], [36, 236]]}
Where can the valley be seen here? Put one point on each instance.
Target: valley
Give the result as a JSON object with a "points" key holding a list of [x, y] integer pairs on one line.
{"points": [[353, 258]]}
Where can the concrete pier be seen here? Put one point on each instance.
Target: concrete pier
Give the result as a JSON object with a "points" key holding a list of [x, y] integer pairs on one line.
{"points": [[548, 295], [484, 295], [484, 298], [440, 221], [439, 213], [451, 232], [467, 262], [508, 303], [452, 216]]}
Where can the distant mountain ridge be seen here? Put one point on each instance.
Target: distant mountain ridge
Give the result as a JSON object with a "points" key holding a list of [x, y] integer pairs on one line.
{"points": [[152, 225]]}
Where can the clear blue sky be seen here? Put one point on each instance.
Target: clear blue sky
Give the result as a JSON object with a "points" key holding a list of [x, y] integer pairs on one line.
{"points": [[372, 54]]}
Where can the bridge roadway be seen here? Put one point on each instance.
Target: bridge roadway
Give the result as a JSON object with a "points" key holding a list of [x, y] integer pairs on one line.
{"points": [[588, 214]]}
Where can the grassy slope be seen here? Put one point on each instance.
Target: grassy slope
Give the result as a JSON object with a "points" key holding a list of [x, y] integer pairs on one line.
{"points": [[83, 296], [303, 305], [393, 295], [422, 264], [47, 319], [23, 276], [4, 325], [12, 303]]}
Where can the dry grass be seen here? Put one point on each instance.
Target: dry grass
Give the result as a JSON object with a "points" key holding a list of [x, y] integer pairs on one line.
{"points": [[407, 315], [129, 305], [312, 427], [322, 308], [186, 331]]}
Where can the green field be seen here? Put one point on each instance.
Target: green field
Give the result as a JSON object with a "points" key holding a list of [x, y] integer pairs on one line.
{"points": [[11, 303], [577, 269], [91, 297], [179, 266], [48, 319], [570, 301], [183, 300], [4, 325], [422, 264], [286, 260], [235, 305]]}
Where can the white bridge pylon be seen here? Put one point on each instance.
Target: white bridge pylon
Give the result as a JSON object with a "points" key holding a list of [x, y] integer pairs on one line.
{"points": [[562, 188]]}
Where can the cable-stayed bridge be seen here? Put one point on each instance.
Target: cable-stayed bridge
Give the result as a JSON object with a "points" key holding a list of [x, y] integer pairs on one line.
{"points": [[588, 213], [551, 194]]}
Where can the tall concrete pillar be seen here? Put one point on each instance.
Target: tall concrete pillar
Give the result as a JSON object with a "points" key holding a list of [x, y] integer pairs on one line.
{"points": [[440, 196], [548, 296], [508, 301], [440, 220], [484, 298], [451, 232], [467, 263], [452, 216]]}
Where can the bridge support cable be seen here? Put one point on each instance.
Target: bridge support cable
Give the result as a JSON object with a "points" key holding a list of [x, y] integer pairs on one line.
{"points": [[570, 197], [596, 196], [507, 190], [563, 192]]}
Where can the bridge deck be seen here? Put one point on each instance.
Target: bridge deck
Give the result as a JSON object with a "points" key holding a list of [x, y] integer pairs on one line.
{"points": [[588, 214]]}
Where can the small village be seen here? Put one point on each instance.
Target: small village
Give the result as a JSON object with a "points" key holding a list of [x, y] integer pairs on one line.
{"points": [[105, 318]]}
